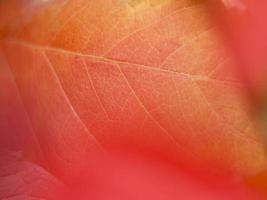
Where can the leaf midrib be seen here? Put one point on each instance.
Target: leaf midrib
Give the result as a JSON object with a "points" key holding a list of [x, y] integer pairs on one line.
{"points": [[122, 62]]}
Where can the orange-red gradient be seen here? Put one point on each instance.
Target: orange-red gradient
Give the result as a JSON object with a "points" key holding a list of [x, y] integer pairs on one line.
{"points": [[242, 23], [115, 99]]}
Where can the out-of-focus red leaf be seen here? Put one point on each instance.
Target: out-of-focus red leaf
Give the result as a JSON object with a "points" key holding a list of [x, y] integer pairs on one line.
{"points": [[23, 180], [242, 23], [134, 177], [16, 130]]}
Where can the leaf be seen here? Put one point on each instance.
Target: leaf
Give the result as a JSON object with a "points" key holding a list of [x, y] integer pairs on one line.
{"points": [[20, 179], [147, 75], [243, 28]]}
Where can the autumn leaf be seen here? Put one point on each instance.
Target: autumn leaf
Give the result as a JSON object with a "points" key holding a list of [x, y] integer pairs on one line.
{"points": [[20, 179], [146, 76], [243, 29]]}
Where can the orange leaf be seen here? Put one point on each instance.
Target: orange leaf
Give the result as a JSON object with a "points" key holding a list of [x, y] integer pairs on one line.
{"points": [[149, 76]]}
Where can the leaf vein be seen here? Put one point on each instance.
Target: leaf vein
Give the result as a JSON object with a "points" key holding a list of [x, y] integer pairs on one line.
{"points": [[67, 99]]}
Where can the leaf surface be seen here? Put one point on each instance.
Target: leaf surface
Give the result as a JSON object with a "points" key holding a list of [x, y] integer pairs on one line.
{"points": [[149, 75], [20, 179]]}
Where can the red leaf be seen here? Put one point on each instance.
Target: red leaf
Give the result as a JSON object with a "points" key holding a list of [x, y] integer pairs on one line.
{"points": [[242, 25], [145, 76], [20, 179]]}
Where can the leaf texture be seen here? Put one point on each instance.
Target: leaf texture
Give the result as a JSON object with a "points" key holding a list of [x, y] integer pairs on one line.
{"points": [[149, 75], [20, 179]]}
